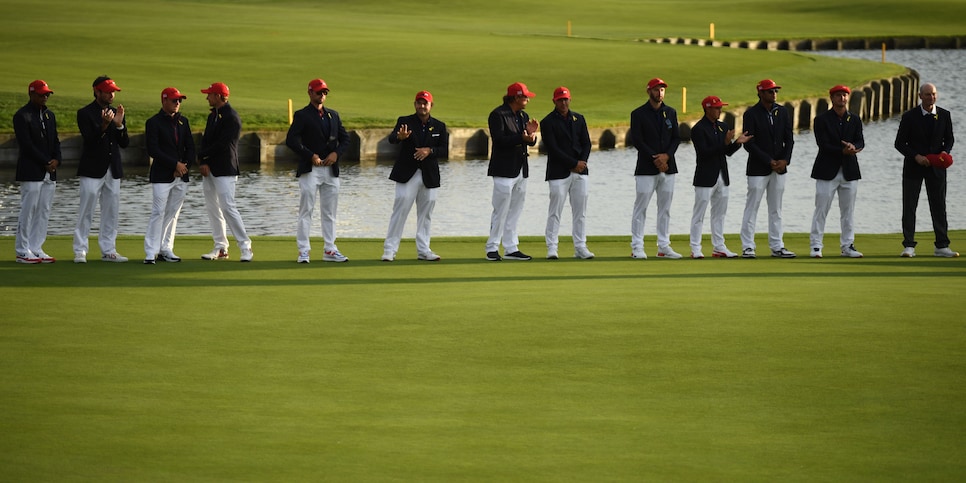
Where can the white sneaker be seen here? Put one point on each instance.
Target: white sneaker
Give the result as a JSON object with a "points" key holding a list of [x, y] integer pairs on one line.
{"points": [[908, 252], [246, 255], [783, 253], [334, 256], [668, 252], [80, 257], [303, 257], [429, 257], [583, 253], [817, 252], [216, 254], [639, 254], [169, 257], [946, 253], [28, 258], [851, 252], [44, 258], [749, 253], [113, 257], [552, 254], [723, 252], [388, 256], [697, 255]]}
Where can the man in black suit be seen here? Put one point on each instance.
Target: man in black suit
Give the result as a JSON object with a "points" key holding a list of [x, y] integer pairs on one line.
{"points": [[424, 141], [511, 131], [924, 130], [713, 142], [319, 139], [769, 154], [567, 142], [838, 134]]}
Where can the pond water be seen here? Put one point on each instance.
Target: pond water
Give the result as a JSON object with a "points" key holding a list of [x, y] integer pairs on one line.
{"points": [[268, 199]]}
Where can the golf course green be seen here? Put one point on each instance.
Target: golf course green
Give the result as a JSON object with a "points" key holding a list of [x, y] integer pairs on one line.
{"points": [[609, 369]]}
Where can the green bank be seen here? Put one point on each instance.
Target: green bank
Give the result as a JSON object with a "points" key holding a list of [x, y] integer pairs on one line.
{"points": [[376, 54], [609, 369]]}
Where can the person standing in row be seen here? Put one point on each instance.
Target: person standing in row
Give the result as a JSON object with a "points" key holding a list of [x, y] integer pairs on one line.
{"points": [[925, 130], [567, 141], [656, 135], [713, 142], [38, 157], [319, 139], [769, 153], [838, 134], [218, 163], [169, 143], [512, 131], [424, 141], [104, 131]]}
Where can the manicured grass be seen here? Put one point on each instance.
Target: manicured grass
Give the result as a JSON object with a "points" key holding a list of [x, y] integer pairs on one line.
{"points": [[465, 370], [376, 54]]}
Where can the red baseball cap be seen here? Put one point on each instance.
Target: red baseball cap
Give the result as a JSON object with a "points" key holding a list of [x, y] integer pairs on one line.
{"points": [[518, 89], [943, 160], [840, 88], [713, 101], [40, 87], [656, 82], [216, 88], [316, 85], [107, 85], [561, 93], [424, 95], [767, 85], [172, 93]]}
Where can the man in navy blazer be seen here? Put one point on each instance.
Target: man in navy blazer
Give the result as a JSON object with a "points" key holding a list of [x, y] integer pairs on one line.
{"points": [[567, 142], [925, 129], [168, 139], [319, 139], [423, 142], [838, 134], [769, 154], [713, 142], [511, 131]]}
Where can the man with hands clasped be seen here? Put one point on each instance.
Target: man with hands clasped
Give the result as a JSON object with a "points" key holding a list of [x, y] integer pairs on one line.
{"points": [[838, 134]]}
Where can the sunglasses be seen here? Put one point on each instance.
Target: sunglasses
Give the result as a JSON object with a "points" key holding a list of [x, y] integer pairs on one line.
{"points": [[771, 91], [323, 92], [176, 101]]}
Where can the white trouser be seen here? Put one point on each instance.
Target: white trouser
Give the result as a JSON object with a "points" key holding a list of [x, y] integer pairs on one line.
{"points": [[36, 200], [824, 193], [576, 186], [222, 212], [167, 199], [318, 183], [412, 191], [758, 186], [647, 185], [107, 192], [717, 196], [508, 197]]}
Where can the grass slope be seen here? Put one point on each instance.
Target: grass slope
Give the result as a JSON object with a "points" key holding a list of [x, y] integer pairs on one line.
{"points": [[604, 370], [376, 54]]}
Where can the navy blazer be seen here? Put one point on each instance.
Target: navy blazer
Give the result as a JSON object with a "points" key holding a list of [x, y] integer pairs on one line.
{"points": [[567, 141], [773, 139], [912, 138], [509, 154], [711, 152], [654, 132], [101, 150], [37, 141], [309, 135], [168, 142], [219, 143], [830, 130], [431, 135]]}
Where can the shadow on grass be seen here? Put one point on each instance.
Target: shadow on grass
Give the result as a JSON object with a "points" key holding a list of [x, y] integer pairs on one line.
{"points": [[200, 274]]}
